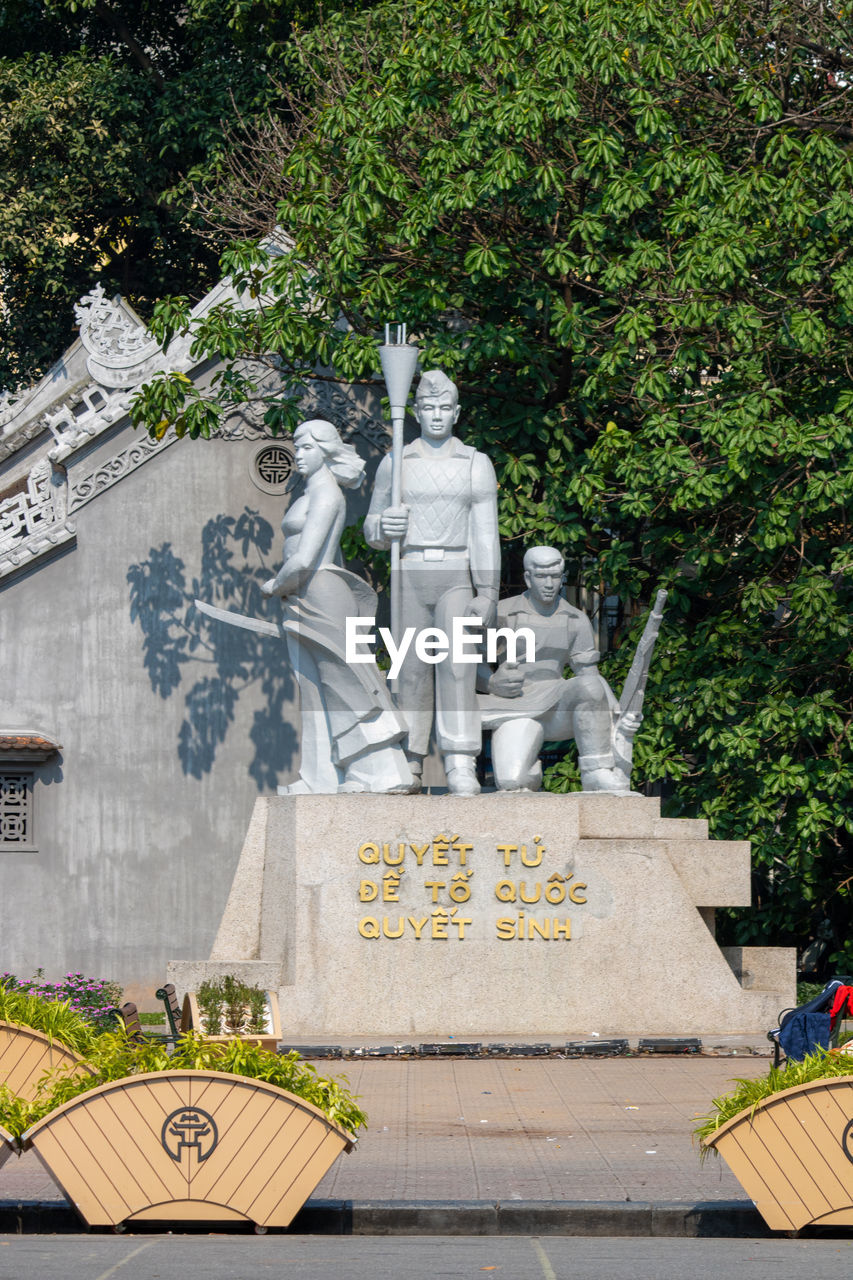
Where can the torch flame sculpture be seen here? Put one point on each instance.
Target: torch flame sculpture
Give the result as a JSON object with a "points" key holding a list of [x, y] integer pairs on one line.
{"points": [[399, 360]]}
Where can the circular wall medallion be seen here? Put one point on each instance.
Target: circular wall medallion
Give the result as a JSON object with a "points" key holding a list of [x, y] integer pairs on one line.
{"points": [[272, 467], [189, 1129]]}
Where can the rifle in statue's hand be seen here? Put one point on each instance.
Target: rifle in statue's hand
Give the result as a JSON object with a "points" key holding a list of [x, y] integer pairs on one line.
{"points": [[630, 715]]}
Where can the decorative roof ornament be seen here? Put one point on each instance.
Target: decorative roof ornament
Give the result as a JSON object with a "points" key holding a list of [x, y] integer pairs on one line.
{"points": [[106, 328], [121, 351], [8, 401]]}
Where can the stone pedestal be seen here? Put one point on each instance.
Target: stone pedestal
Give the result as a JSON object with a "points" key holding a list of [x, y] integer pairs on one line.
{"points": [[505, 915]]}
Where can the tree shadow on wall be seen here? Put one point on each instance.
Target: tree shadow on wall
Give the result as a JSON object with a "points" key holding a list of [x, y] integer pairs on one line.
{"points": [[233, 565]]}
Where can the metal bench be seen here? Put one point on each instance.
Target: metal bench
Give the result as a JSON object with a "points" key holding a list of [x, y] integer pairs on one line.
{"points": [[169, 996], [835, 1001], [128, 1015]]}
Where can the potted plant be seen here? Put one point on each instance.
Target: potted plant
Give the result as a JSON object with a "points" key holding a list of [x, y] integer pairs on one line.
{"points": [[220, 1131], [788, 1139], [37, 1037], [227, 1007]]}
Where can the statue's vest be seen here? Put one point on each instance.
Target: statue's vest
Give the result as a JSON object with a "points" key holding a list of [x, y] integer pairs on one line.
{"points": [[437, 491]]}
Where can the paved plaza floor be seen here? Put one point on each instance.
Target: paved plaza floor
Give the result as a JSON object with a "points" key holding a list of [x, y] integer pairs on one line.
{"points": [[541, 1129]]}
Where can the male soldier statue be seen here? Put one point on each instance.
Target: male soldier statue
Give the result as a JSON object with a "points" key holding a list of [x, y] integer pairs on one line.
{"points": [[449, 568], [530, 702]]}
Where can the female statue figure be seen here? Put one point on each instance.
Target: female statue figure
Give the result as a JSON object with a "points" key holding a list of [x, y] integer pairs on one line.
{"points": [[351, 731]]}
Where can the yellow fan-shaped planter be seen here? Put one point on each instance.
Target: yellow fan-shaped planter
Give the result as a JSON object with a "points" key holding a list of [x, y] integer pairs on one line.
{"points": [[8, 1146], [793, 1154], [26, 1054], [190, 1146]]}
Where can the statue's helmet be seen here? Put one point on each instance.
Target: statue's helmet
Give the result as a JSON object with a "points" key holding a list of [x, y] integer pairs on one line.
{"points": [[435, 383]]}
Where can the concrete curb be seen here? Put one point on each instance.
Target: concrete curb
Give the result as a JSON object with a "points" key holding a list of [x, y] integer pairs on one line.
{"points": [[43, 1217], [530, 1217], [724, 1218]]}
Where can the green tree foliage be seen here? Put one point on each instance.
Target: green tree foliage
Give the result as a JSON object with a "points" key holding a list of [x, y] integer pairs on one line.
{"points": [[625, 229], [106, 110]]}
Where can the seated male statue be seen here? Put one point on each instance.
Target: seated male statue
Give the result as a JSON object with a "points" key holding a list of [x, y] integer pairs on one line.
{"points": [[528, 703]]}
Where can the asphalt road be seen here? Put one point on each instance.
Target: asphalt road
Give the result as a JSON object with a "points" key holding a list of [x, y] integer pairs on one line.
{"points": [[87, 1257]]}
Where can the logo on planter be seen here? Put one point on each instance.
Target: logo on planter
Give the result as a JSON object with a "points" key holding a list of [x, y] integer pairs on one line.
{"points": [[847, 1140], [189, 1129]]}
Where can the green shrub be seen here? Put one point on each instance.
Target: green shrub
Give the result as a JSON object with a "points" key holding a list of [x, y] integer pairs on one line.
{"points": [[56, 1018], [824, 1064], [93, 998], [807, 991], [112, 1057], [211, 1003], [240, 1005]]}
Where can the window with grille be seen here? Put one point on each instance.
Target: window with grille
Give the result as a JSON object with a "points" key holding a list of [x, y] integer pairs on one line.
{"points": [[16, 810]]}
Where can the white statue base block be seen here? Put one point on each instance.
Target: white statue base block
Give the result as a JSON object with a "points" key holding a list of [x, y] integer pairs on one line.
{"points": [[503, 915]]}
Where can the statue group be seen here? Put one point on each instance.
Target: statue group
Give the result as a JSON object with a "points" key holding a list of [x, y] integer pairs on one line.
{"points": [[356, 734]]}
